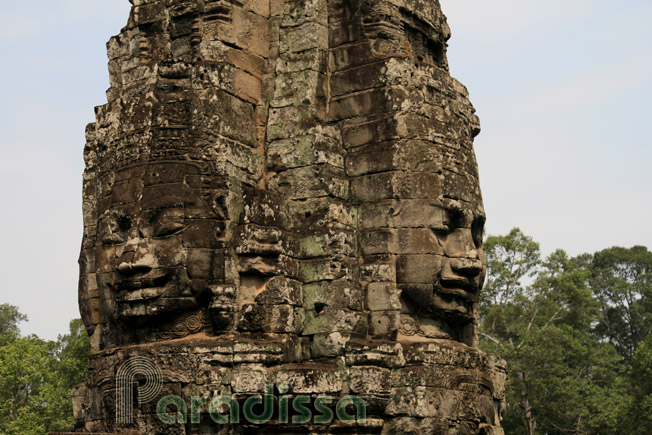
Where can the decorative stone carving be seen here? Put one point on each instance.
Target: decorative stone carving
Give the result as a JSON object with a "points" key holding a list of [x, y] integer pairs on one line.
{"points": [[285, 193]]}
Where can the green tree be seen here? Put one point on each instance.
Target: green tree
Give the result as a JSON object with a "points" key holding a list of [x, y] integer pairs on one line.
{"points": [[27, 366], [36, 377], [639, 419], [10, 317], [510, 259], [562, 379], [621, 279], [72, 354]]}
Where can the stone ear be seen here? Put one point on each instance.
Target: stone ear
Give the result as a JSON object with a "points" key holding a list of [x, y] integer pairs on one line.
{"points": [[220, 205]]}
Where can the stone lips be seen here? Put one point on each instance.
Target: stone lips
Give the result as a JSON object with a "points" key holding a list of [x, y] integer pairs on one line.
{"points": [[276, 188]]}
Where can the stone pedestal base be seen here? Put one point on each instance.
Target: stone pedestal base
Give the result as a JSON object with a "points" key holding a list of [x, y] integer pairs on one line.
{"points": [[404, 388]]}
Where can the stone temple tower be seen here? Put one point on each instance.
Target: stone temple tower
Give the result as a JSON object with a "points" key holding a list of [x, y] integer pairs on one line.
{"points": [[283, 226]]}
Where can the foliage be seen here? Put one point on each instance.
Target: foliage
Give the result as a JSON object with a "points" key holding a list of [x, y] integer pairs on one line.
{"points": [[639, 419], [9, 320], [568, 371], [73, 351], [510, 259], [36, 377], [26, 366], [622, 282]]}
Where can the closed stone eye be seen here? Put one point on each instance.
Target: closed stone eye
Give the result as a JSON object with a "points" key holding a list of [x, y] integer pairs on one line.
{"points": [[168, 228]]}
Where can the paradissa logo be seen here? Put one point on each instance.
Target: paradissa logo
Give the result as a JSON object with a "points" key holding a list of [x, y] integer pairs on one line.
{"points": [[226, 409]]}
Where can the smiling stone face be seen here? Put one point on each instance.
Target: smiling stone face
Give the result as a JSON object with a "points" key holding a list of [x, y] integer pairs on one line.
{"points": [[413, 174], [160, 247], [440, 272]]}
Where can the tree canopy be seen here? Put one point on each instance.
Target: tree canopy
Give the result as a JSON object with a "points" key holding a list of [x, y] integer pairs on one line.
{"points": [[36, 376], [570, 329]]}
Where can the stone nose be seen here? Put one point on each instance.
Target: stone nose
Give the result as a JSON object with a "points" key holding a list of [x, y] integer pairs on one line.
{"points": [[133, 258], [135, 242], [469, 266], [128, 268], [461, 245], [466, 259]]}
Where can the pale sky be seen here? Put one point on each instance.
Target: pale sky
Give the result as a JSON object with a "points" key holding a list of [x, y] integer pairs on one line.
{"points": [[562, 88]]}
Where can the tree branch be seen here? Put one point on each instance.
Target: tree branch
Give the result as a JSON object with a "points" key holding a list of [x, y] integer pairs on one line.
{"points": [[490, 338]]}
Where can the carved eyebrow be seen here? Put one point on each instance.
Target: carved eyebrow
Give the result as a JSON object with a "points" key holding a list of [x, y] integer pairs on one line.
{"points": [[167, 213], [175, 203], [171, 206], [170, 211]]}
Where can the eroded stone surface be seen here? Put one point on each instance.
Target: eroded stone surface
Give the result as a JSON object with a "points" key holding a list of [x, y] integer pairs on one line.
{"points": [[285, 192]]}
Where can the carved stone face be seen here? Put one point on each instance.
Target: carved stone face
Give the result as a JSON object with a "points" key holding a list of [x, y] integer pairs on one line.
{"points": [[441, 271], [155, 251], [458, 284]]}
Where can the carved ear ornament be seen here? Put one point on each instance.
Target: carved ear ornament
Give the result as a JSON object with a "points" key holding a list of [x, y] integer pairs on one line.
{"points": [[190, 325], [410, 327]]}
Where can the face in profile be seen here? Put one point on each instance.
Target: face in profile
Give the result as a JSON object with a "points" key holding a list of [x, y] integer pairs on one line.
{"points": [[156, 255], [441, 288], [460, 280]]}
